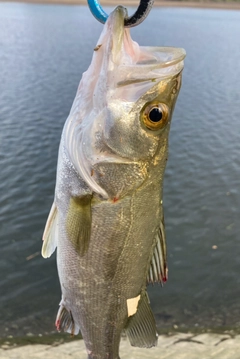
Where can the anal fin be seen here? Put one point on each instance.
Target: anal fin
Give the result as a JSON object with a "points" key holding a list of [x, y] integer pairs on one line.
{"points": [[141, 327], [78, 223]]}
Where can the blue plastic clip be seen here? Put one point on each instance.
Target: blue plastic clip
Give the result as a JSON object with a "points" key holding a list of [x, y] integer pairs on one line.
{"points": [[141, 13], [97, 11]]}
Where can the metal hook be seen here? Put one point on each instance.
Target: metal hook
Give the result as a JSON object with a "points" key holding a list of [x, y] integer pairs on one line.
{"points": [[134, 20]]}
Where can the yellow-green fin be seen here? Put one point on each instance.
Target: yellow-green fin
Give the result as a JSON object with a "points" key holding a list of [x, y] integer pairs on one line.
{"points": [[141, 327], [50, 233], [78, 222]]}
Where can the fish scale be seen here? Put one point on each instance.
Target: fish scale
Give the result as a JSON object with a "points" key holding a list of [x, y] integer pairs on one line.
{"points": [[107, 216]]}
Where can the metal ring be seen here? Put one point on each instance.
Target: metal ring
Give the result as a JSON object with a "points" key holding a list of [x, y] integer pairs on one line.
{"points": [[134, 20]]}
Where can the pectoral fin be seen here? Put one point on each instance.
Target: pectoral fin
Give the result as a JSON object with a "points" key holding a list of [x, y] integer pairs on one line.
{"points": [[158, 266], [78, 223], [141, 327], [50, 234]]}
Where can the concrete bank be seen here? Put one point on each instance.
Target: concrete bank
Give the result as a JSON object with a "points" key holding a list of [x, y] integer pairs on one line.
{"points": [[177, 346]]}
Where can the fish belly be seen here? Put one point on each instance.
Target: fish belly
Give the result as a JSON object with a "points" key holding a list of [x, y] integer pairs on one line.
{"points": [[96, 286]]}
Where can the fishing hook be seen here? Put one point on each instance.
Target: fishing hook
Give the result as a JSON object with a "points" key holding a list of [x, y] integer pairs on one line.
{"points": [[134, 20]]}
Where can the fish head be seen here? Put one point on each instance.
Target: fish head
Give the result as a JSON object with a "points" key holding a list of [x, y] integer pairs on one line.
{"points": [[136, 129], [120, 119]]}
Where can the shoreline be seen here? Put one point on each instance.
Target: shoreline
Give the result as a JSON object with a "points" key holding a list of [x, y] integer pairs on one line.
{"points": [[59, 338], [179, 345], [232, 5]]}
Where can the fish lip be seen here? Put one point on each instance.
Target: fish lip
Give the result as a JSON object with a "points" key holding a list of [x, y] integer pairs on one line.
{"points": [[152, 79], [164, 63]]}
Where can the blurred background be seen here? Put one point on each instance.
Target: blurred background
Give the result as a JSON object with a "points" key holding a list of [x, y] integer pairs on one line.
{"points": [[43, 51]]}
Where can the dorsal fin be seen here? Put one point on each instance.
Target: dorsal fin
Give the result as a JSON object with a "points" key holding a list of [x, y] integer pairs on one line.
{"points": [[158, 265]]}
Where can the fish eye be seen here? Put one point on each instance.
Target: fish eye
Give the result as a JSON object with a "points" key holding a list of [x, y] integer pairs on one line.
{"points": [[155, 116]]}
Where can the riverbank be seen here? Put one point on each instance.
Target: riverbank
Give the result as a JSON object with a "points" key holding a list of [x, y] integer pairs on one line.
{"points": [[176, 345], [228, 5]]}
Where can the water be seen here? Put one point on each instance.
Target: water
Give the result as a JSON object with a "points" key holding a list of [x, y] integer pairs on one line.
{"points": [[43, 51]]}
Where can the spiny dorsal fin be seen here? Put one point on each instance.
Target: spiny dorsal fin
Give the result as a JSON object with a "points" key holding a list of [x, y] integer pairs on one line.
{"points": [[65, 322], [50, 234], [141, 327], [78, 222], [158, 265]]}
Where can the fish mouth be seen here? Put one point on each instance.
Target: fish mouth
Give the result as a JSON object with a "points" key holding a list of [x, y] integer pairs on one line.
{"points": [[155, 64], [135, 65]]}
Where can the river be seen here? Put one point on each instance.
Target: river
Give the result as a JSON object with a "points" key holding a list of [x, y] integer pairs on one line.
{"points": [[43, 51]]}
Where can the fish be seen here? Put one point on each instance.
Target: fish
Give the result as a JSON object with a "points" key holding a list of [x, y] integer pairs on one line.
{"points": [[107, 219]]}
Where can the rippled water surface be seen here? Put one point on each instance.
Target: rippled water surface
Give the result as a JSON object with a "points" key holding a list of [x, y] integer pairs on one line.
{"points": [[43, 51]]}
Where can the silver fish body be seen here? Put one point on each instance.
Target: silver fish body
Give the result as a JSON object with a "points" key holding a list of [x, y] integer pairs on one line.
{"points": [[107, 217]]}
